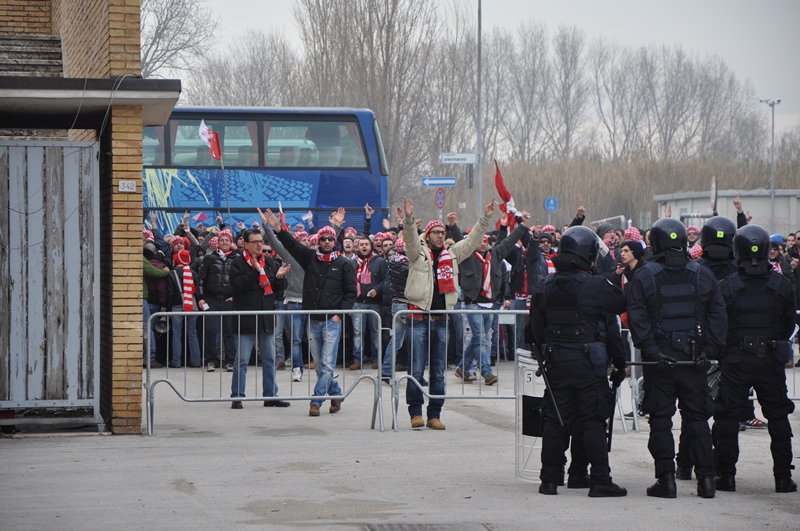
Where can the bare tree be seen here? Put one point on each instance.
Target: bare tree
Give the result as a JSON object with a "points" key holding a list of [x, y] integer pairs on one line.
{"points": [[259, 69], [569, 93], [497, 84], [174, 34]]}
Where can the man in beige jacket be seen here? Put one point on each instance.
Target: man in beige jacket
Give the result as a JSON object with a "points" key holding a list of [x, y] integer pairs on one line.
{"points": [[431, 286]]}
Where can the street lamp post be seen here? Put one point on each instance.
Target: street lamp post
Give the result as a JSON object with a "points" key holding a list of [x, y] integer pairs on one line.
{"points": [[772, 104]]}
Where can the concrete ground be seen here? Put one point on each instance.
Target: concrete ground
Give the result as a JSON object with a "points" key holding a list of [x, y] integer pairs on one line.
{"points": [[210, 467]]}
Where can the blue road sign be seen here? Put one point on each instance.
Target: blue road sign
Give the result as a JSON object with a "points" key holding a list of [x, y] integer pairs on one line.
{"points": [[440, 198], [438, 181], [551, 204]]}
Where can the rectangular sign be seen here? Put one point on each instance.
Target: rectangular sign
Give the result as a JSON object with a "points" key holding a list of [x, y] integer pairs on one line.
{"points": [[459, 158], [128, 187], [438, 181]]}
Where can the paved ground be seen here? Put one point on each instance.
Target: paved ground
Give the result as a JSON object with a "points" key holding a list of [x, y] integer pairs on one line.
{"points": [[208, 467]]}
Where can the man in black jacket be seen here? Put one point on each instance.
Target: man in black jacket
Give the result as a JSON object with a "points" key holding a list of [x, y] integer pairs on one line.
{"points": [[371, 270], [481, 279], [329, 284], [214, 288], [255, 278]]}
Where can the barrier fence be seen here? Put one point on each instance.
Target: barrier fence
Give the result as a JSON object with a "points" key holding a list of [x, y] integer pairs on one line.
{"points": [[467, 334], [198, 389]]}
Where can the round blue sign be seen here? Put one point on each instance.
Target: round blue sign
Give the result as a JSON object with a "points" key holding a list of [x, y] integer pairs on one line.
{"points": [[440, 198], [551, 204]]}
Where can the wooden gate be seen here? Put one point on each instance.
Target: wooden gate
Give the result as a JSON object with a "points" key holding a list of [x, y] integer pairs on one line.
{"points": [[49, 277]]}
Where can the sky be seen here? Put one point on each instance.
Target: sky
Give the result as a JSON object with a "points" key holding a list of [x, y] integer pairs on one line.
{"points": [[758, 39]]}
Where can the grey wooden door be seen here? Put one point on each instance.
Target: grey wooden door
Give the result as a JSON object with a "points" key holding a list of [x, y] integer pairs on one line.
{"points": [[49, 275]]}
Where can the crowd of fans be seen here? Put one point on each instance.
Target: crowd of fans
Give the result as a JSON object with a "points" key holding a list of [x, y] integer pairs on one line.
{"points": [[190, 270]]}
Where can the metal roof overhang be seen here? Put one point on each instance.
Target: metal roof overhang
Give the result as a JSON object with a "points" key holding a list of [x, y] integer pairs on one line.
{"points": [[78, 103]]}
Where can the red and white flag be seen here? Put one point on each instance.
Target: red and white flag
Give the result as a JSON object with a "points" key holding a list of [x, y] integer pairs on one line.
{"points": [[211, 139], [507, 205]]}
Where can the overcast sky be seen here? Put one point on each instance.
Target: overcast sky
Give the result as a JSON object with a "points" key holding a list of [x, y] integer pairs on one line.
{"points": [[759, 40]]}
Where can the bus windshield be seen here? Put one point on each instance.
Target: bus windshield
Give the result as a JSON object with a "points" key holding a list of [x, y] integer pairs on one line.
{"points": [[299, 160]]}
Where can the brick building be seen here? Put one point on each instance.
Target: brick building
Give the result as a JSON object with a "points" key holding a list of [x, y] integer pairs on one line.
{"points": [[69, 70]]}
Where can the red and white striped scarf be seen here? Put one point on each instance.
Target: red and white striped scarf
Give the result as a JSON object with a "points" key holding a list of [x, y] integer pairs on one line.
{"points": [[776, 266], [486, 279], [188, 289], [263, 279], [327, 257], [363, 274], [548, 258]]}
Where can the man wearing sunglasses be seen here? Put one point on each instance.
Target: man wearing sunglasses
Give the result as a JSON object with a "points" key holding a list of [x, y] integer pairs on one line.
{"points": [[329, 284]]}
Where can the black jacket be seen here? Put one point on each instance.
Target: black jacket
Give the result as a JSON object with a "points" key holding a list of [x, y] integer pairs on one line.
{"points": [[214, 276], [379, 270], [175, 287], [470, 272], [326, 285], [398, 276], [249, 296]]}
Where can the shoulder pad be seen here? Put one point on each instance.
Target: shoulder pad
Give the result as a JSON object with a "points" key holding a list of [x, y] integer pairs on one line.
{"points": [[775, 280], [693, 266], [735, 281], [654, 267]]}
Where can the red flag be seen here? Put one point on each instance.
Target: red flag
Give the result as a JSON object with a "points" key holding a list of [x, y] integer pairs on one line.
{"points": [[211, 140], [507, 205]]}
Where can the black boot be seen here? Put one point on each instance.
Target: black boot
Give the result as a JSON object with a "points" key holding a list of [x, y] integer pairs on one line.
{"points": [[612, 490], [785, 485], [548, 488], [726, 482], [684, 472], [664, 487], [578, 482], [706, 488]]}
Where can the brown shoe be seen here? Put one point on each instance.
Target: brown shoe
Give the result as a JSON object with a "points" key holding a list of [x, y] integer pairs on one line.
{"points": [[490, 379], [355, 367], [435, 424], [309, 365], [336, 406], [461, 376], [374, 364], [313, 411], [281, 366], [417, 422]]}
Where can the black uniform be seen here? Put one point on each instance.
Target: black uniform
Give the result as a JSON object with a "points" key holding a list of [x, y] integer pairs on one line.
{"points": [[761, 312], [571, 321], [677, 311]]}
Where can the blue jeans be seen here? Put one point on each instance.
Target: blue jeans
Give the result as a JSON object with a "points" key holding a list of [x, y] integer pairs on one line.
{"points": [[522, 321], [280, 320], [457, 322], [298, 326], [191, 335], [495, 337], [478, 349], [323, 342], [397, 341], [243, 353], [428, 340], [150, 309], [374, 324]]}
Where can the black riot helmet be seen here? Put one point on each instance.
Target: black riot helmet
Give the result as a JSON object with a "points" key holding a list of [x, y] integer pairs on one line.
{"points": [[751, 247], [717, 238], [580, 241], [668, 233]]}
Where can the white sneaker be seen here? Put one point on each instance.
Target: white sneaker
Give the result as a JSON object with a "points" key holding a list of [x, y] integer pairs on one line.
{"points": [[335, 375], [297, 375]]}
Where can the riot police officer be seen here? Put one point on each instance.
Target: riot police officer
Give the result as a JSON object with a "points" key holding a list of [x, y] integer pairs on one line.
{"points": [[761, 315], [676, 313], [572, 323], [717, 243]]}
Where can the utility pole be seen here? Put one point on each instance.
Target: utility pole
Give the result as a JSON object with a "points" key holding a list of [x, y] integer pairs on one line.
{"points": [[480, 122], [772, 104]]}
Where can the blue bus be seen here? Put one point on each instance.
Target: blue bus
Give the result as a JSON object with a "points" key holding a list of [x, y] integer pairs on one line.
{"points": [[302, 159]]}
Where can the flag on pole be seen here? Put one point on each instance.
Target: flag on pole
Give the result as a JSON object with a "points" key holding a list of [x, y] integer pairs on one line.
{"points": [[200, 217], [211, 138], [507, 205]]}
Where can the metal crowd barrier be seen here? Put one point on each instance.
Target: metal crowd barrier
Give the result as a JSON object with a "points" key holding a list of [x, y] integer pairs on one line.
{"points": [[480, 391], [187, 385]]}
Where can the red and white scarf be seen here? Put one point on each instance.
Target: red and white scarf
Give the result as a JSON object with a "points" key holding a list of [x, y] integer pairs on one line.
{"points": [[363, 274], [486, 279], [263, 280], [776, 266], [444, 272], [548, 258], [188, 289], [327, 257], [223, 255]]}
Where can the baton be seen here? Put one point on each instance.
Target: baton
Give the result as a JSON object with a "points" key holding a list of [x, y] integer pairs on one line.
{"points": [[682, 363], [541, 371], [611, 422]]}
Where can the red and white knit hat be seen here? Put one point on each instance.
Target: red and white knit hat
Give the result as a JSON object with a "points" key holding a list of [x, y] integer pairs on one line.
{"points": [[432, 224], [299, 235], [225, 233], [326, 231], [632, 234]]}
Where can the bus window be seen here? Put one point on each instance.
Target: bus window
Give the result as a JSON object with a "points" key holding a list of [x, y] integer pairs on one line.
{"points": [[237, 139], [381, 153], [311, 144], [153, 146]]}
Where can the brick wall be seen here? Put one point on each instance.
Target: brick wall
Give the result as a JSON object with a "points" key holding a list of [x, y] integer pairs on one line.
{"points": [[121, 272], [28, 17]]}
